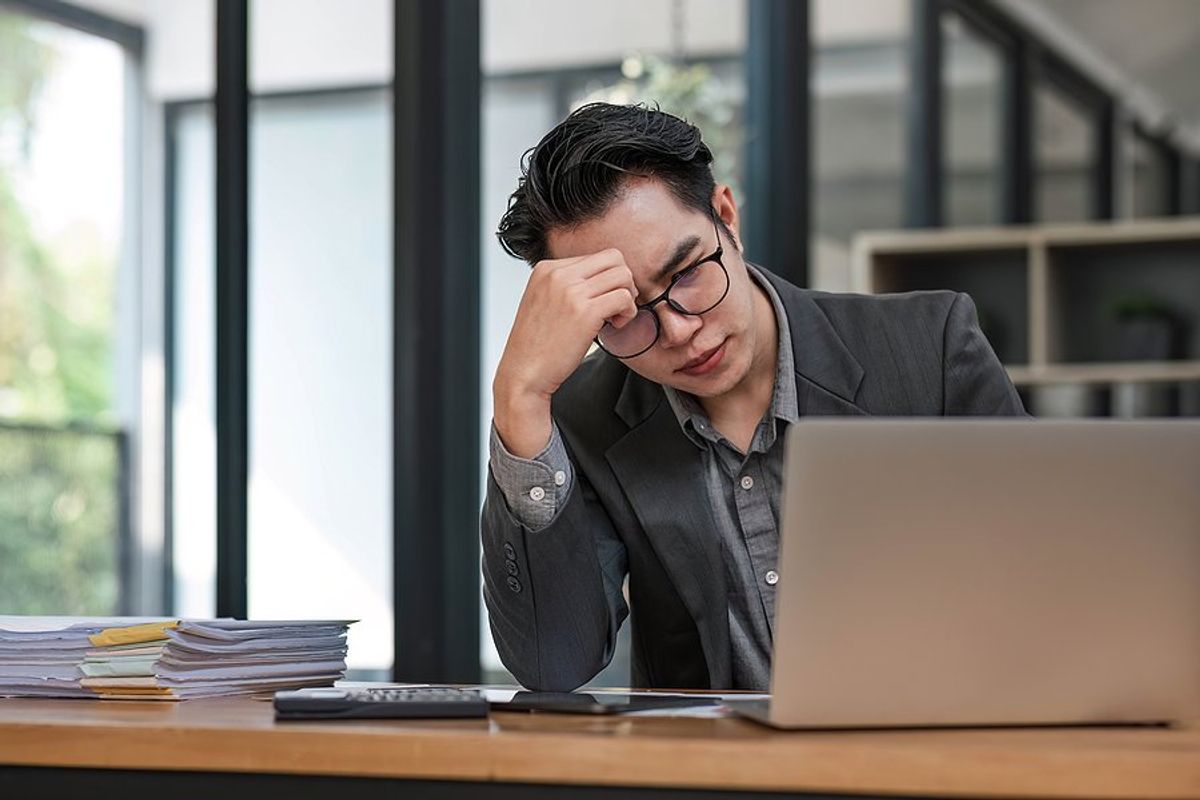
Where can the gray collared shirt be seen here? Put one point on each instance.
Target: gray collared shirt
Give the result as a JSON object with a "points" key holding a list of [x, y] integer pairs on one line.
{"points": [[743, 489]]}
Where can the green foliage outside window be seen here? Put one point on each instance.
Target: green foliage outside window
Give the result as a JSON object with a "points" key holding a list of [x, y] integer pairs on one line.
{"points": [[58, 518], [689, 91], [59, 495]]}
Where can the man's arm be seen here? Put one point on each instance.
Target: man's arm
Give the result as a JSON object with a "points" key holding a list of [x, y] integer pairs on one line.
{"points": [[549, 566], [553, 594], [974, 382]]}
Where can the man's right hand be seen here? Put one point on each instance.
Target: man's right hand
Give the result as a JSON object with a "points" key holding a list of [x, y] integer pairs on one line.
{"points": [[566, 303]]}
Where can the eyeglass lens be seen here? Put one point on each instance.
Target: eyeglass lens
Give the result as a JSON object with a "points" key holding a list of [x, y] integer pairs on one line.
{"points": [[695, 292]]}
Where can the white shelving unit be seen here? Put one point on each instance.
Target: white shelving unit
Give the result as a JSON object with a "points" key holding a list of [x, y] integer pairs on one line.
{"points": [[1046, 294]]}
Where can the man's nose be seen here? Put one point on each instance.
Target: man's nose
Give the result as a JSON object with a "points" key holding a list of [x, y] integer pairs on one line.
{"points": [[676, 328]]}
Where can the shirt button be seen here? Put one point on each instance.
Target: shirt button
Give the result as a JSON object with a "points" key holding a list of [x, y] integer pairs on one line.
{"points": [[560, 478], [747, 482], [536, 494], [772, 577]]}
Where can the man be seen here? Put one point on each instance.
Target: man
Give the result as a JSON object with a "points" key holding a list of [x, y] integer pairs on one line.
{"points": [[659, 456]]}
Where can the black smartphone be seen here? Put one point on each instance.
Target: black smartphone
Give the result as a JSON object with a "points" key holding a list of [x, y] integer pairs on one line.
{"points": [[599, 703]]}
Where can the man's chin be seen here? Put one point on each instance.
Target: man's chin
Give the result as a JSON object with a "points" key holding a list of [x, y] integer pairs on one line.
{"points": [[713, 385]]}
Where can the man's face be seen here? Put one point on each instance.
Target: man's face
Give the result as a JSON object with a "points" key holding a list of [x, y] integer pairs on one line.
{"points": [[706, 355]]}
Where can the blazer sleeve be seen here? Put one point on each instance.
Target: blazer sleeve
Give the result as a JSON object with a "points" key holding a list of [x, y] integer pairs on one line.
{"points": [[974, 381], [553, 595]]}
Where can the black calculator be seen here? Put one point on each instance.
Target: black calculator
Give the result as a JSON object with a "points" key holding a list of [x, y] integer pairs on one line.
{"points": [[423, 702]]}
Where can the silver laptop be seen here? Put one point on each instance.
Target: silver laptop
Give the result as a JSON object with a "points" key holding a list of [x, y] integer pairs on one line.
{"points": [[988, 572]]}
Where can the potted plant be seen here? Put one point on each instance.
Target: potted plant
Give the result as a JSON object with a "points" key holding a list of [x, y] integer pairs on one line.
{"points": [[1148, 328]]}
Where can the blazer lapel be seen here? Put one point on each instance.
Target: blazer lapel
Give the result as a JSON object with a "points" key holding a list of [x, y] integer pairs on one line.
{"points": [[662, 474], [827, 373]]}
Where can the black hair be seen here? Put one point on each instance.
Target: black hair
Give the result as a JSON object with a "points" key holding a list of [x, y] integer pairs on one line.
{"points": [[577, 170]]}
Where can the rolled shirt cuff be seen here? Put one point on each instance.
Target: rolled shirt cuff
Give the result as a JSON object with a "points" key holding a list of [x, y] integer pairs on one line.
{"points": [[533, 488]]}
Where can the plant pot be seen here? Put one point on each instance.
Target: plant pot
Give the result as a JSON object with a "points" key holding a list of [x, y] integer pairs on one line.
{"points": [[1141, 399], [1146, 339], [1067, 400]]}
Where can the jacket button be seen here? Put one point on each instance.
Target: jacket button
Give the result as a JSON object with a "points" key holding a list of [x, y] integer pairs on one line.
{"points": [[511, 566], [514, 584], [509, 551]]}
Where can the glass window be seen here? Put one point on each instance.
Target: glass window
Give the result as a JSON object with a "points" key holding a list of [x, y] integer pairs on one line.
{"points": [[320, 516], [1150, 171], [859, 83], [709, 93], [320, 364], [320, 371], [67, 392], [1064, 151], [972, 118], [516, 113], [193, 521]]}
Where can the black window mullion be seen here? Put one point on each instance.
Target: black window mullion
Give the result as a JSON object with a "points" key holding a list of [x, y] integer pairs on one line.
{"points": [[924, 173], [232, 304], [436, 308], [1190, 184], [776, 221], [1173, 163], [131, 37], [1017, 172], [1017, 136], [1104, 160]]}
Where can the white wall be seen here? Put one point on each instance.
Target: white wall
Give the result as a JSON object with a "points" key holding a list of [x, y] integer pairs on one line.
{"points": [[316, 43], [541, 34], [836, 22], [294, 44], [307, 44]]}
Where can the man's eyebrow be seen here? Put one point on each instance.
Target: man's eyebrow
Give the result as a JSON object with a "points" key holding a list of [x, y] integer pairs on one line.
{"points": [[672, 264]]}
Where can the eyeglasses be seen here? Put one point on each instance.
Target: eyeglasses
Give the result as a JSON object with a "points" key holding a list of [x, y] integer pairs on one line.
{"points": [[694, 291]]}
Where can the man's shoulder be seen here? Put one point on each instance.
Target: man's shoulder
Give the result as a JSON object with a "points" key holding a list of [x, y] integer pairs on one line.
{"points": [[851, 310], [847, 309], [879, 326]]}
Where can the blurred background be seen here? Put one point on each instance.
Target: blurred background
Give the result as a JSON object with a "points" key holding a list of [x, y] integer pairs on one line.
{"points": [[1042, 154]]}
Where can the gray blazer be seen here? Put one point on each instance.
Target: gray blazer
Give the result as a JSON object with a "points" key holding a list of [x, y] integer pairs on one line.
{"points": [[638, 503]]}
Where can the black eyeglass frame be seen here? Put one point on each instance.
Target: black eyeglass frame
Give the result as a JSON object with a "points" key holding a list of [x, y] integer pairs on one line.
{"points": [[715, 256]]}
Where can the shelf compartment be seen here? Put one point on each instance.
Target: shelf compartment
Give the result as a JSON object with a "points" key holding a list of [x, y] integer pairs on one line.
{"points": [[997, 280], [1088, 283]]}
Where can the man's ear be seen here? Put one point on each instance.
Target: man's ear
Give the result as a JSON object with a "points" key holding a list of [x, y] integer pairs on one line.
{"points": [[726, 208]]}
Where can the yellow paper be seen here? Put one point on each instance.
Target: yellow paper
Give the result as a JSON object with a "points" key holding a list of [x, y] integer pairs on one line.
{"points": [[133, 634]]}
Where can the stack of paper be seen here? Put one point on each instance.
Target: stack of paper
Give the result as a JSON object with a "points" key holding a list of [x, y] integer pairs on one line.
{"points": [[40, 656], [126, 658]]}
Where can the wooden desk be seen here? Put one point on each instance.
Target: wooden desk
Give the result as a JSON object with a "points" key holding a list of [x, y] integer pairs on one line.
{"points": [[229, 748]]}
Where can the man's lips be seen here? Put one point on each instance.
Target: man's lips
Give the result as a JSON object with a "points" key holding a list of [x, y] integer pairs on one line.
{"points": [[704, 361]]}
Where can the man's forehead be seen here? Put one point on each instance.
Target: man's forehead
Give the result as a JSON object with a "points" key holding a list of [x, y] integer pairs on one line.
{"points": [[644, 220], [652, 255], [651, 242]]}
